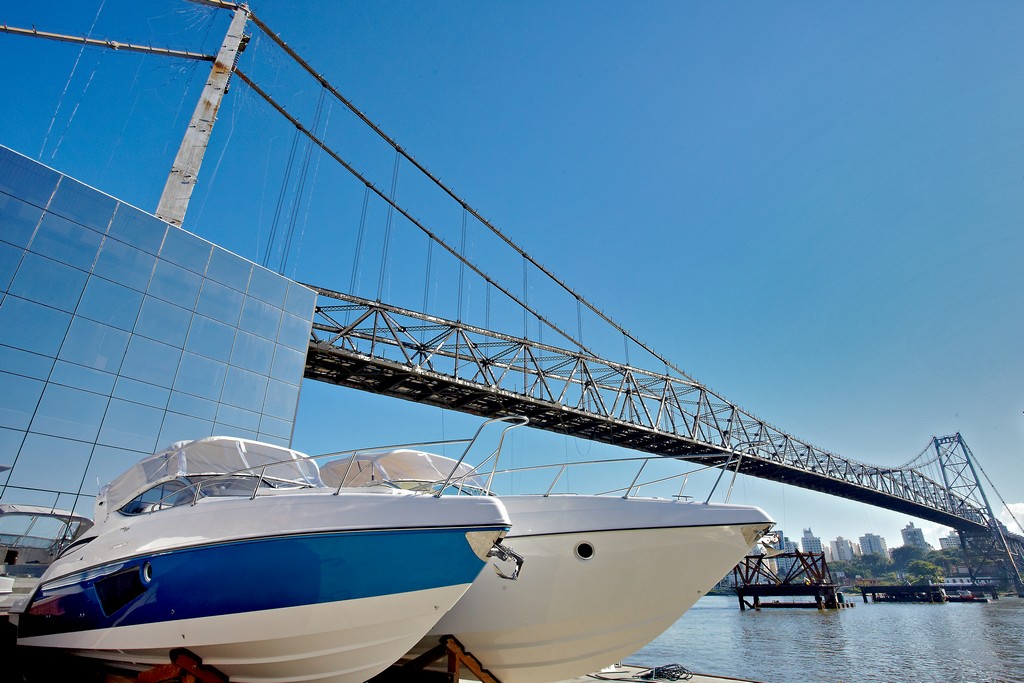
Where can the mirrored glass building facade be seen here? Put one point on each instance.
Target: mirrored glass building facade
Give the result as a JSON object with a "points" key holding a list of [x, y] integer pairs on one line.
{"points": [[120, 334]]}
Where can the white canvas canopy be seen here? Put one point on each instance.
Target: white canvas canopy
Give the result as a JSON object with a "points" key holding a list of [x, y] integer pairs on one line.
{"points": [[215, 455], [402, 466]]}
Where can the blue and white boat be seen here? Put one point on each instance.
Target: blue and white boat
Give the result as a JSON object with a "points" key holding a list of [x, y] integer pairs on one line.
{"points": [[235, 550]]}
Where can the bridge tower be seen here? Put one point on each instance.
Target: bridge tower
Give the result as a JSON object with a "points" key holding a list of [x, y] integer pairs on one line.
{"points": [[994, 552]]}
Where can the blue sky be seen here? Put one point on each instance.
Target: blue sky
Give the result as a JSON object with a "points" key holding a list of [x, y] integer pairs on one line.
{"points": [[813, 208]]}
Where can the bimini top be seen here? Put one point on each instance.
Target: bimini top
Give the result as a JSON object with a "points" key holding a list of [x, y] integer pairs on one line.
{"points": [[405, 468], [214, 455]]}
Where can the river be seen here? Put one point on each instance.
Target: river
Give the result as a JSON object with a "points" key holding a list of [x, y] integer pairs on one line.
{"points": [[876, 643]]}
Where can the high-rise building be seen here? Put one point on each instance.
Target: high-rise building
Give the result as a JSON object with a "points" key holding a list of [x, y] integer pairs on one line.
{"points": [[120, 334], [873, 544], [810, 543], [785, 564], [844, 549], [914, 536], [950, 542]]}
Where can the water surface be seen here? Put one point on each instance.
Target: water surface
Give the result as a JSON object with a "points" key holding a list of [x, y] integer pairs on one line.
{"points": [[880, 643]]}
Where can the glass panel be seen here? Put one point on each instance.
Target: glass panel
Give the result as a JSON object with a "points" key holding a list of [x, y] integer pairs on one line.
{"points": [[10, 257], [79, 377], [29, 325], [289, 365], [267, 286], [26, 363], [140, 392], [125, 264], [282, 400], [132, 426], [18, 220], [94, 345], [183, 428], [236, 417], [220, 303], [48, 282], [244, 389], [106, 465], [110, 303], [301, 301], [18, 400], [151, 361], [10, 444], [275, 427], [163, 321], [50, 463], [277, 441], [295, 332], [192, 405], [222, 429], [67, 242], [201, 377], [138, 229], [252, 353], [83, 205], [174, 283], [26, 179], [209, 337], [260, 318], [230, 270], [71, 413], [186, 250]]}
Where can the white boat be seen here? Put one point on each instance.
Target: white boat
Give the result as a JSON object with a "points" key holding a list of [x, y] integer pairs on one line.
{"points": [[234, 550], [604, 575], [31, 536]]}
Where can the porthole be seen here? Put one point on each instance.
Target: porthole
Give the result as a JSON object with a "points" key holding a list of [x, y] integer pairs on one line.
{"points": [[147, 573], [584, 550]]}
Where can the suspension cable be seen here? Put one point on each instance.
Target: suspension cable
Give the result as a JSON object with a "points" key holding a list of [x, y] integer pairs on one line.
{"points": [[451, 193], [374, 189]]}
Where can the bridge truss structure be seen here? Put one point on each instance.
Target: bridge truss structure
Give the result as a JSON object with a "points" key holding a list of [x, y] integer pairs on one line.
{"points": [[397, 352]]}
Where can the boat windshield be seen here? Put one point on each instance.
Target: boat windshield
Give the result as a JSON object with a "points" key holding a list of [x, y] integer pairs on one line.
{"points": [[183, 491], [231, 460], [33, 534]]}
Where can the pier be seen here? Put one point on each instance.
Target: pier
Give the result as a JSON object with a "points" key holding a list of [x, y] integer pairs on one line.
{"points": [[806, 576], [906, 593]]}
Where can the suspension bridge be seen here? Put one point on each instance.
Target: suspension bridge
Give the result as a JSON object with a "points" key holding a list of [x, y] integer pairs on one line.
{"points": [[565, 387]]}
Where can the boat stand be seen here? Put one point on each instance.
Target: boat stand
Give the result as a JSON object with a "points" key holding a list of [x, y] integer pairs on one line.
{"points": [[457, 658], [184, 667]]}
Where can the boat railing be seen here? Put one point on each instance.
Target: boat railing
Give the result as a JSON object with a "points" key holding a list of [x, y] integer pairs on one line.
{"points": [[635, 487], [192, 491], [465, 482]]}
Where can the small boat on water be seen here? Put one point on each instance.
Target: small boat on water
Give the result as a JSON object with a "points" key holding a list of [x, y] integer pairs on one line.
{"points": [[31, 537], [605, 574], [235, 550]]}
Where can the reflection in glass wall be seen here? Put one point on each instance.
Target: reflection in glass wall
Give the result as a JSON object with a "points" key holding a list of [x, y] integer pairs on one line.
{"points": [[120, 334]]}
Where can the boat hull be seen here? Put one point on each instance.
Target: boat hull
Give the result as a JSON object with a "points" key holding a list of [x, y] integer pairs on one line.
{"points": [[568, 614], [331, 605]]}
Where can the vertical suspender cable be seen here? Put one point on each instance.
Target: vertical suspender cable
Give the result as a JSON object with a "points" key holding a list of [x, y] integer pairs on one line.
{"points": [[462, 266], [293, 218], [71, 75], [387, 229], [280, 200]]}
